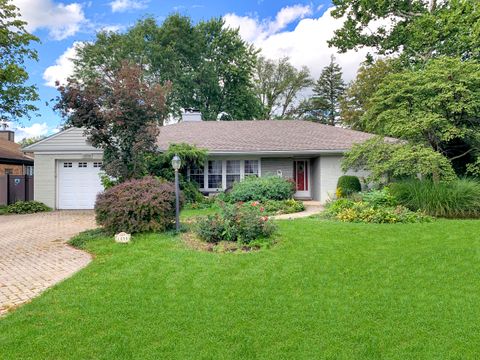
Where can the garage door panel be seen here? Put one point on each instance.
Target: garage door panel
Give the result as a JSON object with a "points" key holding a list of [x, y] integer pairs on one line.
{"points": [[78, 184]]}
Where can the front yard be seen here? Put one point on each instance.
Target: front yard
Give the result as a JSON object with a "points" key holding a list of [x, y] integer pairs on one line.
{"points": [[325, 290]]}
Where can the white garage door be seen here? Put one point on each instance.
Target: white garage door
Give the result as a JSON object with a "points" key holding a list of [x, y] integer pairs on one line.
{"points": [[78, 184]]}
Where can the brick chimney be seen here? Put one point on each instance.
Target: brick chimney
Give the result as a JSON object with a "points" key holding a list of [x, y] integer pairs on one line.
{"points": [[8, 135]]}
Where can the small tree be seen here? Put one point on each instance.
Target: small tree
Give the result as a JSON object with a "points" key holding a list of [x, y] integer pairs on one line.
{"points": [[392, 160], [327, 92], [121, 114]]}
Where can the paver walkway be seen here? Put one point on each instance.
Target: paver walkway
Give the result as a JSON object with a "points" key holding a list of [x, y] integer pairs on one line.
{"points": [[34, 254], [311, 208]]}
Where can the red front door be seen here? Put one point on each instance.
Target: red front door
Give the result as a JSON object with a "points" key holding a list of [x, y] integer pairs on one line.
{"points": [[301, 175]]}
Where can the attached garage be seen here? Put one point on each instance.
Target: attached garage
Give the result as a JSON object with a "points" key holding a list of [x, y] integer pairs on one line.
{"points": [[78, 183], [67, 170]]}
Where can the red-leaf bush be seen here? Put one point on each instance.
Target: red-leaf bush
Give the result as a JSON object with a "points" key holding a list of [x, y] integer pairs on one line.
{"points": [[136, 206]]}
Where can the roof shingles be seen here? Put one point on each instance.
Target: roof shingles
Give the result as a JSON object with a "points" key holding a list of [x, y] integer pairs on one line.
{"points": [[260, 136]]}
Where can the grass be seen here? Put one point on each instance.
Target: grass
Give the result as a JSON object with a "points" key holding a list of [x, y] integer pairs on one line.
{"points": [[326, 290]]}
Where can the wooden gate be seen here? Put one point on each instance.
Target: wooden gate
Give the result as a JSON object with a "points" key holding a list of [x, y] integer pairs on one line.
{"points": [[15, 188]]}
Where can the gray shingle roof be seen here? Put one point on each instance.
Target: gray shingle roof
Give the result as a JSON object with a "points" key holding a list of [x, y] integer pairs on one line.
{"points": [[261, 136]]}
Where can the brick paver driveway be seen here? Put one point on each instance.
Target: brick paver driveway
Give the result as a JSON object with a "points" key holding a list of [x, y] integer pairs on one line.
{"points": [[34, 254]]}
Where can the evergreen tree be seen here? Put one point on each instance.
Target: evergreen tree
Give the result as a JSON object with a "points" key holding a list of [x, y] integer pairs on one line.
{"points": [[327, 93]]}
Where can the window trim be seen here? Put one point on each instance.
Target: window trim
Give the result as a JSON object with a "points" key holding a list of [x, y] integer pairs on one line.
{"points": [[224, 171]]}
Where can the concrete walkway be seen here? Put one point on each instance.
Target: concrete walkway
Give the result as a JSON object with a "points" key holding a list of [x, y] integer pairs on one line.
{"points": [[311, 208], [34, 255]]}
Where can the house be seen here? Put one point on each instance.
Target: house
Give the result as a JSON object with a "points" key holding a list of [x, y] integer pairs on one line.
{"points": [[67, 167], [12, 160]]}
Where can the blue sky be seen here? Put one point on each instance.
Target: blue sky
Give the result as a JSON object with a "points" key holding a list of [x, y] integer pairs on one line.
{"points": [[294, 28]]}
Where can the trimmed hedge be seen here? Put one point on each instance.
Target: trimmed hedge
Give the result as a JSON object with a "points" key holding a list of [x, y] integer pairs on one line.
{"points": [[136, 206], [347, 185], [262, 189]]}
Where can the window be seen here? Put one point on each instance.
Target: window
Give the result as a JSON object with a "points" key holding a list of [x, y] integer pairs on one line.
{"points": [[233, 172], [97, 164], [82, 164], [196, 174], [251, 167], [8, 171], [67, 164], [29, 170], [215, 174]]}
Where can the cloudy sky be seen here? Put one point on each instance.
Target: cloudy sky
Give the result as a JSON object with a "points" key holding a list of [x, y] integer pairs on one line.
{"points": [[279, 28]]}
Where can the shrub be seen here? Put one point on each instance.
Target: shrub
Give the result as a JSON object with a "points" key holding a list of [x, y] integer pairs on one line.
{"points": [[262, 188], [236, 222], [135, 206], [274, 207], [27, 207], [454, 199], [348, 185], [381, 197], [190, 192]]}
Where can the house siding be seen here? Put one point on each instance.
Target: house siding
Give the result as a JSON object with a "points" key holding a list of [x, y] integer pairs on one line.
{"points": [[45, 179], [69, 140], [270, 166], [315, 178]]}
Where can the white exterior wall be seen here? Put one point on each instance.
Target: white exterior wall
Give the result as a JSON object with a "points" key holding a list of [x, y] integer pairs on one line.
{"points": [[329, 172]]}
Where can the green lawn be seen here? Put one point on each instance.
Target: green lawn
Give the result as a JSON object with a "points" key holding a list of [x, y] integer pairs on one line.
{"points": [[326, 290]]}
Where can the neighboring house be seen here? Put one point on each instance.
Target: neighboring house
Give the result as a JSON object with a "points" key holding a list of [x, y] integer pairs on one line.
{"points": [[12, 160], [67, 167]]}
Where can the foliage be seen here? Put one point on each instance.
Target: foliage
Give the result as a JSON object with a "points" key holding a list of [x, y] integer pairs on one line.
{"points": [[80, 241], [438, 106], [324, 104], [136, 206], [161, 165], [27, 207], [236, 222], [277, 207], [121, 113], [387, 160], [372, 207], [348, 184], [417, 29], [107, 181], [210, 67], [455, 199], [277, 84], [254, 188], [357, 98], [15, 51]]}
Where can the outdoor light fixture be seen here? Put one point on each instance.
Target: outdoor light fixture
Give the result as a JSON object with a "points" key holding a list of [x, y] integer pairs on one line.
{"points": [[176, 163]]}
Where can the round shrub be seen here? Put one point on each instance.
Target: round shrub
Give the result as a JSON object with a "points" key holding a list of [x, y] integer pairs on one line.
{"points": [[347, 185], [261, 189], [136, 206], [27, 207]]}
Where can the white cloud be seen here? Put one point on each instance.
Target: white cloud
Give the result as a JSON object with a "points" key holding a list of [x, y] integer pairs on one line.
{"points": [[61, 20], [306, 44], [34, 130], [125, 5], [63, 67]]}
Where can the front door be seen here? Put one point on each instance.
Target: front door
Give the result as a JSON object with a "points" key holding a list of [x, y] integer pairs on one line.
{"points": [[301, 174]]}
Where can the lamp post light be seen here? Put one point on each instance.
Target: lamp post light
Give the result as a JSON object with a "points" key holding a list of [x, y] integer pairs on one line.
{"points": [[176, 163]]}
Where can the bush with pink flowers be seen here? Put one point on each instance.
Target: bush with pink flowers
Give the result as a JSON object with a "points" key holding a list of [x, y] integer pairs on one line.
{"points": [[236, 222]]}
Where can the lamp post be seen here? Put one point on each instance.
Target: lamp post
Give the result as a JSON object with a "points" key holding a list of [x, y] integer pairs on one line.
{"points": [[176, 163]]}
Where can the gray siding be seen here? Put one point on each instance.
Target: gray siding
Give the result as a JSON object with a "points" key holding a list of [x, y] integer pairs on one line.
{"points": [[270, 166], [315, 181], [68, 140]]}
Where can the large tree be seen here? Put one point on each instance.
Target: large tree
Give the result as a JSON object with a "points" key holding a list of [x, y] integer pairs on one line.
{"points": [[418, 29], [357, 98], [437, 106], [121, 112], [210, 67], [15, 49], [278, 85], [324, 104]]}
